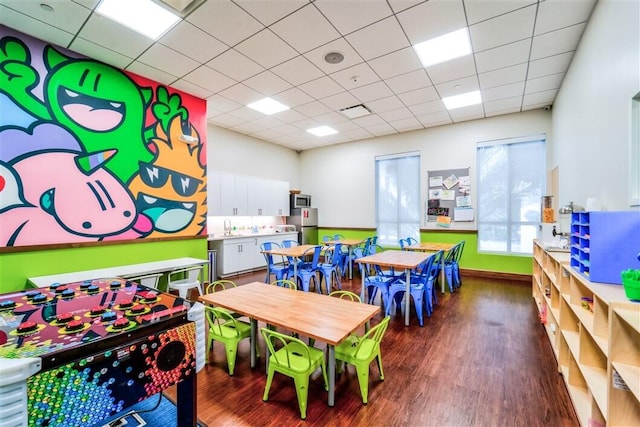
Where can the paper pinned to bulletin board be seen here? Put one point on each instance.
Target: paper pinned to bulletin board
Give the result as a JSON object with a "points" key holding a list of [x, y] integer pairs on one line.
{"points": [[449, 197]]}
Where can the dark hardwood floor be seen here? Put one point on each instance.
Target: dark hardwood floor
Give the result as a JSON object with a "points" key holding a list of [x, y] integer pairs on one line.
{"points": [[482, 359]]}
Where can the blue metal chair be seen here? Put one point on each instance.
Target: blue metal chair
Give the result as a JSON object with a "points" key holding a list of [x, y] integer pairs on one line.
{"points": [[330, 269], [373, 284], [452, 267], [421, 283], [279, 270], [309, 271]]}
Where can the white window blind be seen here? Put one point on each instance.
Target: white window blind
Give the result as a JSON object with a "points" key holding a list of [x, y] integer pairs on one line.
{"points": [[511, 181], [397, 198]]}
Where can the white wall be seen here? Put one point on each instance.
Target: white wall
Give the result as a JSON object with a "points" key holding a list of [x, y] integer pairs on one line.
{"points": [[340, 177], [232, 152], [592, 112]]}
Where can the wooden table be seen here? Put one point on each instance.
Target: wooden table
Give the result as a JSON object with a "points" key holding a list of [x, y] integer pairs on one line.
{"points": [[408, 260], [129, 270], [317, 316], [350, 244], [433, 247], [293, 251]]}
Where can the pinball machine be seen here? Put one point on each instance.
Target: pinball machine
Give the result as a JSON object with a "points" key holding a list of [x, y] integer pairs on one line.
{"points": [[75, 354]]}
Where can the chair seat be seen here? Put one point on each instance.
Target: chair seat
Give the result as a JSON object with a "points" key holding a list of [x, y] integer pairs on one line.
{"points": [[299, 363], [348, 350]]}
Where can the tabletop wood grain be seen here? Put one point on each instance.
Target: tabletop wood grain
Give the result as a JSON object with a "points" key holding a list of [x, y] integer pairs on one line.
{"points": [[395, 258], [293, 251], [430, 246]]}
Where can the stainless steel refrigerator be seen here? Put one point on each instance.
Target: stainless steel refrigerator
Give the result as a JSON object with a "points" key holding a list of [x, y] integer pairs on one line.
{"points": [[306, 222]]}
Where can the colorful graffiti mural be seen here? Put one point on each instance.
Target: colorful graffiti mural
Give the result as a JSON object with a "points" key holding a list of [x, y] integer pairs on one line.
{"points": [[89, 152]]}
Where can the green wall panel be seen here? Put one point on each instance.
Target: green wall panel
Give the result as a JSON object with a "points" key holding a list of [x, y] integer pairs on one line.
{"points": [[16, 267], [471, 259]]}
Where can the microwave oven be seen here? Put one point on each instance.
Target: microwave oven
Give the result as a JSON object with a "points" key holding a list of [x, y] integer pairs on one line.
{"points": [[300, 201]]}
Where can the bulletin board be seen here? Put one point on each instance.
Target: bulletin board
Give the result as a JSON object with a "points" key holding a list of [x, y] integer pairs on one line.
{"points": [[448, 197]]}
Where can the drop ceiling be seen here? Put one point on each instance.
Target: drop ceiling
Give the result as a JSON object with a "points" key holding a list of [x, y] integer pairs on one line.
{"points": [[234, 52]]}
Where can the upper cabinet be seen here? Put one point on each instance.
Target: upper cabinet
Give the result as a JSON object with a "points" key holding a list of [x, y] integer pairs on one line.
{"points": [[238, 195]]}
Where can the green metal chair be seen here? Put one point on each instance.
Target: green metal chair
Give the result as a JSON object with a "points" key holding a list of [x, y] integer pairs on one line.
{"points": [[346, 295], [284, 283], [360, 351], [295, 359], [225, 328]]}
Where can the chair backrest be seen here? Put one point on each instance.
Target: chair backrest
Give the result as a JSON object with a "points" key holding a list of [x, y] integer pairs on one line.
{"points": [[220, 321], [267, 246], [346, 295], [369, 343], [297, 357], [411, 241], [333, 254], [284, 283], [374, 249], [435, 265], [191, 274], [326, 239], [314, 252], [219, 285], [148, 280], [459, 251], [338, 237], [289, 243], [403, 243], [425, 268], [454, 253]]}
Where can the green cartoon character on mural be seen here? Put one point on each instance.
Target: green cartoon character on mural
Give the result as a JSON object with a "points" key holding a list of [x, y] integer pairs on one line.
{"points": [[99, 104]]}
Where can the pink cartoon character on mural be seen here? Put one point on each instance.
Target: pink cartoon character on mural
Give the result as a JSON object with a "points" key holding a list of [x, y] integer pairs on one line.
{"points": [[66, 196]]}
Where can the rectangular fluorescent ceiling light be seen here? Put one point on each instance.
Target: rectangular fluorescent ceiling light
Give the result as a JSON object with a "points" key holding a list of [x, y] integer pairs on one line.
{"points": [[322, 131], [444, 48], [355, 111], [268, 106], [462, 100], [142, 16]]}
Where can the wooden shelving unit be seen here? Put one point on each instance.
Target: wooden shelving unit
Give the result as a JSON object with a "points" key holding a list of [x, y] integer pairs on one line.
{"points": [[595, 334]]}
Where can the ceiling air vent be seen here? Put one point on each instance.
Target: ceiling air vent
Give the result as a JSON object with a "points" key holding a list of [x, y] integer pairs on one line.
{"points": [[356, 111], [181, 7]]}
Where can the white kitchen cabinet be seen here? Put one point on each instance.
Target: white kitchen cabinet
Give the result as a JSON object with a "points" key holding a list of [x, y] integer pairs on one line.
{"points": [[238, 195]]}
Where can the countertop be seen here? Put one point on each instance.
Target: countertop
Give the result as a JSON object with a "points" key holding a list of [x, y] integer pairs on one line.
{"points": [[247, 233]]}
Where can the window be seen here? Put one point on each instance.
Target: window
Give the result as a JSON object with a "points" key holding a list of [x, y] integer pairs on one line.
{"points": [[511, 181], [398, 197]]}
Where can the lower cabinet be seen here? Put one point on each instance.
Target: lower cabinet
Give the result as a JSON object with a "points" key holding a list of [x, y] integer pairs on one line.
{"points": [[241, 254]]}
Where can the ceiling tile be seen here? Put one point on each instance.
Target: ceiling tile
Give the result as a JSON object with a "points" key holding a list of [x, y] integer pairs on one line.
{"points": [[293, 97], [556, 14], [382, 129], [435, 119], [121, 39], [550, 65], [268, 12], [248, 127], [515, 73], [267, 83], [164, 58], [191, 41], [242, 94], [266, 49], [419, 96], [246, 114], [385, 104], [221, 103], [459, 86], [271, 121], [340, 45], [33, 27], [502, 104], [348, 16], [452, 70], [406, 125], [191, 88], [92, 50], [225, 21], [290, 115], [541, 84], [297, 71], [225, 120], [358, 133], [312, 109], [427, 108], [371, 92], [503, 56], [66, 15], [209, 79], [305, 29], [235, 65], [555, 42], [321, 88], [150, 72], [501, 92], [400, 5], [400, 113], [378, 39], [539, 98], [410, 81], [431, 19], [503, 29], [356, 76], [340, 101], [332, 119], [481, 10], [400, 62], [370, 120]]}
